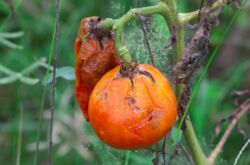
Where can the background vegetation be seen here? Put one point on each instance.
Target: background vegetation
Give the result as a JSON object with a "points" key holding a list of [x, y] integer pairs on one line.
{"points": [[25, 41]]}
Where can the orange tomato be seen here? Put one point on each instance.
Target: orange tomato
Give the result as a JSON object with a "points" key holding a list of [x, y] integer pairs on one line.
{"points": [[135, 112], [94, 56]]}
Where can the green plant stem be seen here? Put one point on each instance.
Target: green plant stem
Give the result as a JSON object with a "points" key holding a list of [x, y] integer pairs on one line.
{"points": [[189, 134], [188, 17], [127, 157], [176, 27], [119, 24], [194, 145], [35, 158], [20, 130], [171, 4], [195, 90]]}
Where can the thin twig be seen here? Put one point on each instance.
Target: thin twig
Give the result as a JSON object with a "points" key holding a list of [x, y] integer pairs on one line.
{"points": [[244, 108], [163, 150], [175, 153], [186, 153], [20, 130], [12, 8], [151, 54], [54, 79], [201, 5], [241, 151]]}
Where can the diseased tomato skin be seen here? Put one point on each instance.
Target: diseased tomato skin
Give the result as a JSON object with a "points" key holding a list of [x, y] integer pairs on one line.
{"points": [[127, 116], [94, 56]]}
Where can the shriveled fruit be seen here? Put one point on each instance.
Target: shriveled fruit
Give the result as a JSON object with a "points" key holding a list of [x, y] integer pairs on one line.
{"points": [[94, 55], [133, 110]]}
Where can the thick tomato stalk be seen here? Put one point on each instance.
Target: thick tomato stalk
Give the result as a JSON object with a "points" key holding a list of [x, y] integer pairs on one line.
{"points": [[132, 110], [94, 55]]}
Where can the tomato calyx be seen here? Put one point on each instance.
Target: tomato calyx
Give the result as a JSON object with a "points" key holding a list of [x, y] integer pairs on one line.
{"points": [[133, 71]]}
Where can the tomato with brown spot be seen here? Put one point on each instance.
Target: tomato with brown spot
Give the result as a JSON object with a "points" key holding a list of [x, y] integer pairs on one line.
{"points": [[135, 111], [94, 56]]}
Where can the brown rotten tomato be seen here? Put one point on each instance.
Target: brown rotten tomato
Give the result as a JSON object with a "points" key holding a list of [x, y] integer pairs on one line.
{"points": [[94, 55], [134, 110]]}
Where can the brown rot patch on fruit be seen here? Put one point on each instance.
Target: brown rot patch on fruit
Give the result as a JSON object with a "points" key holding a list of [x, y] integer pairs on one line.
{"points": [[132, 104], [155, 118], [106, 96]]}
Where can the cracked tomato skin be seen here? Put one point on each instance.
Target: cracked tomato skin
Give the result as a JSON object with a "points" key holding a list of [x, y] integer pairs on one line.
{"points": [[94, 56], [127, 116]]}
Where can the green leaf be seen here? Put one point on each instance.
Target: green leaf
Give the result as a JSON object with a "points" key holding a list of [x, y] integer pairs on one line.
{"points": [[66, 73], [8, 80], [176, 135], [28, 80], [9, 44], [11, 35]]}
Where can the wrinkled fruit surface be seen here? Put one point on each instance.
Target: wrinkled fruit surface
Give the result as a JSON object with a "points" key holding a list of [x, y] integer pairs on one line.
{"points": [[94, 56], [130, 113]]}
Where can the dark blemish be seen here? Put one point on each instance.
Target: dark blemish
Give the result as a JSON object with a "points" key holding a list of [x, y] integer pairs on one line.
{"points": [[147, 74], [100, 43], [132, 82], [105, 96], [132, 103], [173, 39], [92, 22], [124, 74], [205, 33], [137, 109], [150, 118], [99, 19], [86, 37], [109, 36], [131, 100], [94, 61], [154, 118]]}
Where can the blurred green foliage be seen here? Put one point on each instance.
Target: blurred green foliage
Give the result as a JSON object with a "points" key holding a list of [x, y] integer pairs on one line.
{"points": [[26, 38]]}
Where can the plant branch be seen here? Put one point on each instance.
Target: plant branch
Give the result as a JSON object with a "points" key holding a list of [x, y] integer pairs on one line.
{"points": [[176, 28], [187, 17], [186, 153], [171, 4], [241, 111], [144, 30], [193, 144], [241, 151], [151, 54], [119, 24], [54, 80]]}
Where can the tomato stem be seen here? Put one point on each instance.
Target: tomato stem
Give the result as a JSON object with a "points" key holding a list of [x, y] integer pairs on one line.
{"points": [[119, 24], [188, 17]]}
